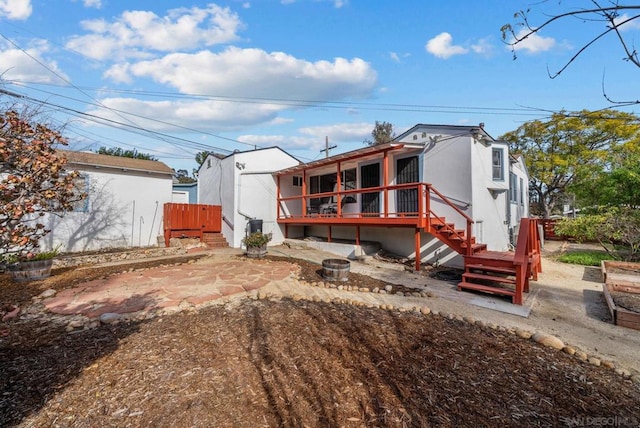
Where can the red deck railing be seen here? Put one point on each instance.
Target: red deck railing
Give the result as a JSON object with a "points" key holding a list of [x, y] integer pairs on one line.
{"points": [[334, 213]]}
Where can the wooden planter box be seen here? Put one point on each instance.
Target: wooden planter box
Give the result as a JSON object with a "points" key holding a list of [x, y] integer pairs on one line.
{"points": [[622, 277]]}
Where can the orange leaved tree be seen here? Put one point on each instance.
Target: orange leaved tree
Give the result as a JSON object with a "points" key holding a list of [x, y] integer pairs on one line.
{"points": [[33, 182]]}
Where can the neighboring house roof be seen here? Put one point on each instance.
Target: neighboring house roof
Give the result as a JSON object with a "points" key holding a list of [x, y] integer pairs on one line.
{"points": [[115, 162], [185, 185], [464, 129], [238, 152]]}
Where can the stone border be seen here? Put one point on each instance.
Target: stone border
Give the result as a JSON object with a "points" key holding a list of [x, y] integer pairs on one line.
{"points": [[72, 260]]}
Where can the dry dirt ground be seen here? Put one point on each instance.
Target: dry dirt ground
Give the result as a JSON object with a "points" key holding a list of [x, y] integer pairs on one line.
{"points": [[252, 363]]}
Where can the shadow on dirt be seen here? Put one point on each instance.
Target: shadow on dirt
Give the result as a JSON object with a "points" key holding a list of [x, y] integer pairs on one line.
{"points": [[596, 306], [38, 360]]}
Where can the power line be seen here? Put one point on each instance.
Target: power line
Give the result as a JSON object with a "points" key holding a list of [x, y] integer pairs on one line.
{"points": [[113, 123], [335, 104]]}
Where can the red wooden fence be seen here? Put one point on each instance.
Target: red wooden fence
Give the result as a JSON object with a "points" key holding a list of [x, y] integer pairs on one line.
{"points": [[190, 220]]}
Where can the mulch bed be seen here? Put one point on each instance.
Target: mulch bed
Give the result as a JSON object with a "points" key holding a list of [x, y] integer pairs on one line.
{"points": [[288, 363]]}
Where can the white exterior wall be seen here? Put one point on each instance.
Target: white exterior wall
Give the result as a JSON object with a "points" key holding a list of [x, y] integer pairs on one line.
{"points": [[460, 168], [243, 184], [447, 166], [122, 210], [490, 206], [520, 209]]}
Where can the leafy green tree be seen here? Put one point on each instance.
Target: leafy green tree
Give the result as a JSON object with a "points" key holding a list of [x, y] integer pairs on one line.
{"points": [[182, 175], [33, 182], [117, 151], [201, 156], [618, 184], [567, 149], [382, 133]]}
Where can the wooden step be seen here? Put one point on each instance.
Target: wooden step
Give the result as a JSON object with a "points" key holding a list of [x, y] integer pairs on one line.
{"points": [[486, 268], [486, 288], [214, 240], [483, 277]]}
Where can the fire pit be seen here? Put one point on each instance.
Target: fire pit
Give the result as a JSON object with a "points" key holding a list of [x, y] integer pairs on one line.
{"points": [[335, 269]]}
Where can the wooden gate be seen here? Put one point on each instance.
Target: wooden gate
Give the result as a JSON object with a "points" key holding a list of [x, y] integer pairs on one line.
{"points": [[191, 220]]}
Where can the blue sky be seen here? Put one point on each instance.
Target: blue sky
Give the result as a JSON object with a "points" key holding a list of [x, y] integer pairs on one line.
{"points": [[173, 80]]}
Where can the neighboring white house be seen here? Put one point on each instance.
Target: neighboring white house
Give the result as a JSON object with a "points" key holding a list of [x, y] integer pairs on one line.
{"points": [[464, 164], [243, 184], [124, 205]]}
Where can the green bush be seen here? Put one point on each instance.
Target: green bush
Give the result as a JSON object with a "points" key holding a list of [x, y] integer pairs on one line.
{"points": [[616, 229]]}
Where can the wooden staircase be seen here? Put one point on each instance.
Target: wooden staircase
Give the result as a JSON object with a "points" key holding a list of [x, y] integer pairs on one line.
{"points": [[214, 240], [506, 273], [454, 238]]}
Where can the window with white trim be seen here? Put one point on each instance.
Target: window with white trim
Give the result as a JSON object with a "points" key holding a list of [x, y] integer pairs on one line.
{"points": [[497, 164], [513, 188]]}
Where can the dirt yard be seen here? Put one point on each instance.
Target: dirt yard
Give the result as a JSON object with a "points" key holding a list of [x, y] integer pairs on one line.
{"points": [[251, 363]]}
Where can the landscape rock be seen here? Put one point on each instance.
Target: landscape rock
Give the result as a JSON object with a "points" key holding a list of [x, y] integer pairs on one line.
{"points": [[569, 350], [110, 318], [76, 323], [524, 334], [388, 288], [47, 293], [582, 356], [594, 361], [425, 310], [548, 340], [608, 364]]}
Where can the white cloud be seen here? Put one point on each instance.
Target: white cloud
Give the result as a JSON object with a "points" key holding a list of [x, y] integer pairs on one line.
{"points": [[258, 74], [483, 47], [92, 3], [203, 115], [246, 5], [135, 33], [336, 3], [15, 9], [634, 24], [398, 57], [534, 43], [313, 137], [22, 66], [441, 46]]}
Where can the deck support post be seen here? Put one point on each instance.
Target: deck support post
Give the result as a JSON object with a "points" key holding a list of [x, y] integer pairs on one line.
{"points": [[385, 179], [286, 231], [304, 193], [357, 235], [418, 246], [339, 186], [329, 234], [278, 198]]}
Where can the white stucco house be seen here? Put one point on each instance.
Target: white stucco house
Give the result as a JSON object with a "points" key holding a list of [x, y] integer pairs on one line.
{"points": [[123, 207], [243, 184], [435, 194]]}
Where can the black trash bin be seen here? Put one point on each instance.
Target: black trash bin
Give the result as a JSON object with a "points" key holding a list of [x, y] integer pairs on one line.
{"points": [[255, 225]]}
